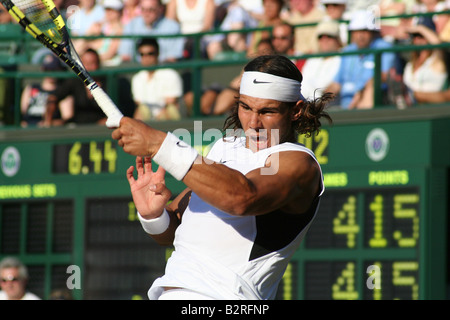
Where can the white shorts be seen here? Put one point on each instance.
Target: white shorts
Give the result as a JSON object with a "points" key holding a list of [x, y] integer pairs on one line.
{"points": [[182, 294]]}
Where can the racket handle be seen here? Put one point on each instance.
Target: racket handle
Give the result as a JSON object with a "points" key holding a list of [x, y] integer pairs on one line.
{"points": [[107, 105]]}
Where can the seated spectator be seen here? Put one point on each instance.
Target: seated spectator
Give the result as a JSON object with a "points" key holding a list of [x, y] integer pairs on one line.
{"points": [[83, 16], [111, 26], [156, 92], [34, 96], [194, 16], [226, 45], [283, 42], [426, 70], [83, 109], [271, 17], [283, 39], [304, 12], [354, 80], [337, 10], [131, 10], [318, 73], [14, 278], [153, 23]]}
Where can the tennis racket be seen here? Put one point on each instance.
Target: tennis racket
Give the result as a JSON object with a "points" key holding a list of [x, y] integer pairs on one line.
{"points": [[41, 19]]}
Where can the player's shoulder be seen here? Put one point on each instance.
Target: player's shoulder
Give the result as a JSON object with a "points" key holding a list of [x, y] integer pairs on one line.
{"points": [[292, 146]]}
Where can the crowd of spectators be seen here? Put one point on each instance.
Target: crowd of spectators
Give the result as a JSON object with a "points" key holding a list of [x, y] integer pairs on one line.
{"points": [[408, 78]]}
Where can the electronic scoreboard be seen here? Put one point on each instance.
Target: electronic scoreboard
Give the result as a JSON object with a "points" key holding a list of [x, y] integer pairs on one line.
{"points": [[381, 231]]}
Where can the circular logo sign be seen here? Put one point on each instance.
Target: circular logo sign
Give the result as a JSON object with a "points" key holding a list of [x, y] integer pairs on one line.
{"points": [[10, 161], [377, 144]]}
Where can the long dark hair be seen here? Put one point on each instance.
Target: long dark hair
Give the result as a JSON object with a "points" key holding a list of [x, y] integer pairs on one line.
{"points": [[281, 66]]}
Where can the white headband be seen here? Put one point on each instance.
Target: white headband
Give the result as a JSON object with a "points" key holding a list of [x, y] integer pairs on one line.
{"points": [[268, 86]]}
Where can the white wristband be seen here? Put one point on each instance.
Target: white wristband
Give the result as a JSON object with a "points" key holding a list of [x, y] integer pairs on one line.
{"points": [[176, 156], [157, 225]]}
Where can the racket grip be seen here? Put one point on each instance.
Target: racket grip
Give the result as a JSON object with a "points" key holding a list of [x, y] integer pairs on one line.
{"points": [[107, 105]]}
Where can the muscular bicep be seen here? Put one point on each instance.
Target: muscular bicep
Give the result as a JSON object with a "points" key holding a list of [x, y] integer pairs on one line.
{"points": [[290, 182]]}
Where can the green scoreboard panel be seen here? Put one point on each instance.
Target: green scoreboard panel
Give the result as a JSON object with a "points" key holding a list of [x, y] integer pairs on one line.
{"points": [[381, 232]]}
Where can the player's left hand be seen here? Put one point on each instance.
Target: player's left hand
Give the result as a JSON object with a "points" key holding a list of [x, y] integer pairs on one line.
{"points": [[149, 190]]}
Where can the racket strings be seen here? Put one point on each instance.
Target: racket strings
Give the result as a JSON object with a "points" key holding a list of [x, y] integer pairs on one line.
{"points": [[37, 13]]}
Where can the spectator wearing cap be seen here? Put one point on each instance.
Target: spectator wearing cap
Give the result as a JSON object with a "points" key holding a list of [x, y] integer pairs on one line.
{"points": [[337, 10], [34, 96], [426, 70], [354, 80], [106, 47], [319, 72]]}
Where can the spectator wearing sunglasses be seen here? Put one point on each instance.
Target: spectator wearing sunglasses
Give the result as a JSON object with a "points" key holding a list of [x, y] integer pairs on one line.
{"points": [[156, 92], [13, 280]]}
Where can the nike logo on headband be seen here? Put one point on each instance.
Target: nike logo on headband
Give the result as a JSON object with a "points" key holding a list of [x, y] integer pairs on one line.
{"points": [[258, 82]]}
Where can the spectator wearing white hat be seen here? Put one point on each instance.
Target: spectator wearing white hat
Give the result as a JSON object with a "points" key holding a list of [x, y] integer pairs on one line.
{"points": [[354, 80], [337, 10], [319, 72]]}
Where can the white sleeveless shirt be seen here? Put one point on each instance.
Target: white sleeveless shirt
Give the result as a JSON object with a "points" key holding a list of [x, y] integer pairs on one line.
{"points": [[191, 19], [230, 257]]}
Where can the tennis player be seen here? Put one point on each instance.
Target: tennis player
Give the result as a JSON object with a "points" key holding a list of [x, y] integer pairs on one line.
{"points": [[248, 204]]}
